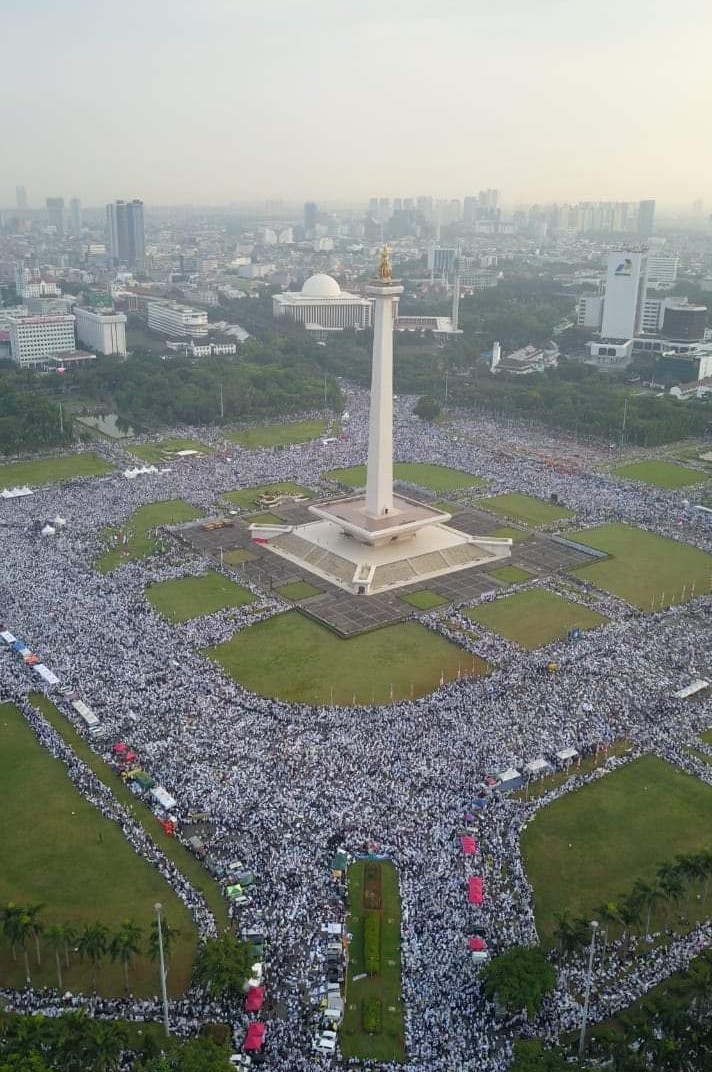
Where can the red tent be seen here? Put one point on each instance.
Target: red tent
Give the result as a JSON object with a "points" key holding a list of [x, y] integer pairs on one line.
{"points": [[130, 756], [469, 846], [254, 999], [255, 1037], [475, 890], [476, 944], [120, 748]]}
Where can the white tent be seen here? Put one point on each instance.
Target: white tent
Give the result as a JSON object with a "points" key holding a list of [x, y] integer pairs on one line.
{"points": [[49, 530], [15, 493], [46, 674], [163, 797], [59, 522], [566, 754], [510, 775], [537, 766], [8, 637]]}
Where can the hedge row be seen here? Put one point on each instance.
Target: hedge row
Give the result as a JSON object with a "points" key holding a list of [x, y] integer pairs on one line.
{"points": [[372, 1016], [372, 943]]}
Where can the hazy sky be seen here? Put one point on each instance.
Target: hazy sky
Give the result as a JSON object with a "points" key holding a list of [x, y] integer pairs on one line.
{"points": [[211, 101]]}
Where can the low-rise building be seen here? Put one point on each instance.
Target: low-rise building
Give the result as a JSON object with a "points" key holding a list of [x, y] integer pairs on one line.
{"points": [[529, 359], [33, 339], [177, 321]]}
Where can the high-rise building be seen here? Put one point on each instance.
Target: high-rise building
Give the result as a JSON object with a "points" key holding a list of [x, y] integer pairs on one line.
{"points": [[178, 321], [662, 268], [21, 198], [55, 213], [646, 218], [311, 212], [124, 224], [104, 332], [625, 292], [33, 339], [75, 216]]}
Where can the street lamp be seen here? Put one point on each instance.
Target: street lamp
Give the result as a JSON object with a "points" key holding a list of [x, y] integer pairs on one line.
{"points": [[589, 974], [158, 906]]}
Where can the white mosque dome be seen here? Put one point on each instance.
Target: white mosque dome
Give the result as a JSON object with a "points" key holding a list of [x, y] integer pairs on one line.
{"points": [[321, 286]]}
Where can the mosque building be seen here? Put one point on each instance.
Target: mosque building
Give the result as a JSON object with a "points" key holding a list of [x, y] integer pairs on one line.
{"points": [[321, 305]]}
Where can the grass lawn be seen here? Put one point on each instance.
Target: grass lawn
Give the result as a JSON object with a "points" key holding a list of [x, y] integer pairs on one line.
{"points": [[511, 574], [138, 528], [424, 599], [525, 508], [52, 470], [60, 852], [246, 498], [706, 736], [298, 590], [294, 658], [238, 555], [155, 453], [591, 845], [388, 1044], [192, 597], [265, 519], [278, 435], [447, 507], [539, 786], [662, 474], [533, 618], [432, 477], [644, 567], [184, 860], [508, 532]]}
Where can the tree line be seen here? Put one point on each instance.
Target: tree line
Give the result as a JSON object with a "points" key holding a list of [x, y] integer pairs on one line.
{"points": [[28, 418]]}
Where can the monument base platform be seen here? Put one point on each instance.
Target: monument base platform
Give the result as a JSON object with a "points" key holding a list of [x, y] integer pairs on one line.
{"points": [[324, 549]]}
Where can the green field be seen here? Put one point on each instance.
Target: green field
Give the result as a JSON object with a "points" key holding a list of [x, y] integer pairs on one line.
{"points": [[52, 470], [508, 532], [192, 597], [388, 1044], [278, 435], [267, 518], [511, 574], [182, 857], [661, 474], [590, 846], [238, 556], [139, 528], [155, 453], [533, 618], [294, 658], [643, 567], [424, 599], [60, 852], [525, 508], [433, 477], [298, 590], [246, 498], [446, 506]]}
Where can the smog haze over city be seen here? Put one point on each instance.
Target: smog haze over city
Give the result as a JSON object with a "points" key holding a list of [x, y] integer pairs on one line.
{"points": [[226, 100]]}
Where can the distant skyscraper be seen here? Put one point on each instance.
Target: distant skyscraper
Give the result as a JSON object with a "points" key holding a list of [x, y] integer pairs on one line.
{"points": [[55, 213], [373, 207], [311, 211], [625, 292], [21, 198], [75, 215], [646, 218], [124, 224]]}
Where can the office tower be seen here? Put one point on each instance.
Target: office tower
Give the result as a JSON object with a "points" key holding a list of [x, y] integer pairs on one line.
{"points": [[662, 268], [373, 206], [646, 218], [625, 292], [311, 211], [102, 331], [35, 338], [21, 198], [124, 224], [55, 213], [75, 216], [469, 210], [384, 208]]}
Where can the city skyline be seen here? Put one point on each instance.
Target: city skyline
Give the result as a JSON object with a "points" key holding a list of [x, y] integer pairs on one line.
{"points": [[348, 104]]}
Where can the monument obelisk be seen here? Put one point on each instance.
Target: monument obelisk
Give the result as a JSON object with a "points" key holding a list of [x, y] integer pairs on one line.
{"points": [[379, 479]]}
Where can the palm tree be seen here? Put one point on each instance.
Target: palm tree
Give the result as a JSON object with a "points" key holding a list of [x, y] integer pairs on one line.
{"points": [[36, 926], [93, 943], [10, 915], [125, 945], [629, 914], [55, 939], [671, 885], [647, 894], [71, 934], [563, 930], [104, 1042], [168, 933], [23, 931]]}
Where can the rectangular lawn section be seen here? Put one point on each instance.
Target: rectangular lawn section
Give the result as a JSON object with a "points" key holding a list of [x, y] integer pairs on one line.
{"points": [[525, 508], [238, 556], [388, 1044], [661, 474], [60, 852], [278, 435], [433, 477], [293, 658], [192, 597], [511, 574], [533, 618], [424, 599], [52, 470], [154, 453], [508, 532], [184, 860], [138, 529], [246, 498], [298, 590], [590, 846], [644, 567]]}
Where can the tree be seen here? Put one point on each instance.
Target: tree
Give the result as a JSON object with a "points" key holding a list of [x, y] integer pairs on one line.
{"points": [[125, 945], [55, 939], [94, 943], [647, 895], [520, 979], [11, 914], [35, 926], [169, 935], [532, 1057], [223, 965], [427, 408]]}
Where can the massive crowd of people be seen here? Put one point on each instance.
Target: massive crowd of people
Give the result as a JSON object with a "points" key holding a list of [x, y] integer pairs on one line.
{"points": [[282, 784]]}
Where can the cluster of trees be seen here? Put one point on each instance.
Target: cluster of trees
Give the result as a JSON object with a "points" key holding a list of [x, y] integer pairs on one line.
{"points": [[223, 965], [678, 883], [519, 979], [22, 927], [29, 419]]}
